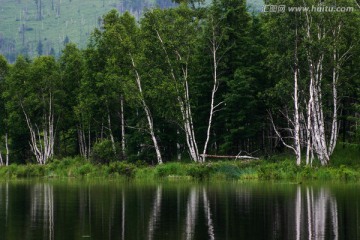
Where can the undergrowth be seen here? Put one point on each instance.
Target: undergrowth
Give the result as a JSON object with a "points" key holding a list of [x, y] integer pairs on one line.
{"points": [[345, 166]]}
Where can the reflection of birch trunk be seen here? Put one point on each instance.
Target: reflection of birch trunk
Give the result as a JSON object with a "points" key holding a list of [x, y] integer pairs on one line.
{"points": [[309, 201], [42, 200], [49, 210], [298, 213], [191, 213], [123, 215], [317, 207], [155, 214], [7, 202], [208, 216]]}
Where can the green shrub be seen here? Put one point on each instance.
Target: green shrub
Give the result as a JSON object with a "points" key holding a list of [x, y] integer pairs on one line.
{"points": [[103, 152], [229, 171], [121, 168], [200, 171], [170, 169], [84, 170]]}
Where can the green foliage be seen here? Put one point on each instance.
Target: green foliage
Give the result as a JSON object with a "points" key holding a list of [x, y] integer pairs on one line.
{"points": [[103, 152], [170, 169], [123, 169], [91, 91]]}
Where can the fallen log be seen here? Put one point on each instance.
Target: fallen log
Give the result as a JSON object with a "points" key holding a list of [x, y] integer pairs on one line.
{"points": [[225, 156]]}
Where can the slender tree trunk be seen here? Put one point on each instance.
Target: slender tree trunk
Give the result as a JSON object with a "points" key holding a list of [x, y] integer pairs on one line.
{"points": [[315, 66], [82, 141], [147, 113], [42, 143], [89, 141], [122, 127], [297, 140], [184, 103], [111, 134], [7, 150], [1, 159], [214, 47]]}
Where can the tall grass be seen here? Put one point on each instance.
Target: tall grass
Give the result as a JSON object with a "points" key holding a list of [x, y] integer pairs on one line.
{"points": [[345, 166]]}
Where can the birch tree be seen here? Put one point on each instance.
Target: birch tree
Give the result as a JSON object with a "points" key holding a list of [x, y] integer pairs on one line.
{"points": [[35, 90], [174, 44], [215, 43], [320, 52], [128, 57], [325, 40], [4, 131]]}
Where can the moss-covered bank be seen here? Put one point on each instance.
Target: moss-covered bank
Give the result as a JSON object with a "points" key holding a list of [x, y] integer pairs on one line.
{"points": [[284, 169]]}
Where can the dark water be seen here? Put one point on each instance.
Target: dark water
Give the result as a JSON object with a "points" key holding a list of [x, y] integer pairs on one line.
{"points": [[111, 210]]}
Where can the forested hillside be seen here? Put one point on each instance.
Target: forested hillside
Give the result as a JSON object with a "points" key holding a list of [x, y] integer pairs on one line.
{"points": [[186, 83], [43, 27]]}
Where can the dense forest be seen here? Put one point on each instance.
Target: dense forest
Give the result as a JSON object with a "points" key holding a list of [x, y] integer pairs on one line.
{"points": [[188, 83]]}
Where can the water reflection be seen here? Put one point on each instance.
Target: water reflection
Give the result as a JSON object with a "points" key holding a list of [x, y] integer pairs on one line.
{"points": [[155, 213], [126, 211], [42, 208], [316, 212]]}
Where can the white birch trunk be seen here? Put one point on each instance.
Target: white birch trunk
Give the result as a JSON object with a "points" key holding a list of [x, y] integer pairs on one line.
{"points": [[334, 126], [82, 142], [7, 149], [111, 134], [214, 47], [147, 113], [184, 103], [297, 141], [42, 143], [316, 117], [1, 159], [122, 127]]}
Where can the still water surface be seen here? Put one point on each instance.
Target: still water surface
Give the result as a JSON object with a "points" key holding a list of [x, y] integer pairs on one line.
{"points": [[112, 210]]}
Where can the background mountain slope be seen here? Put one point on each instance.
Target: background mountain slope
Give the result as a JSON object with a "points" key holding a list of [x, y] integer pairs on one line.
{"points": [[42, 27]]}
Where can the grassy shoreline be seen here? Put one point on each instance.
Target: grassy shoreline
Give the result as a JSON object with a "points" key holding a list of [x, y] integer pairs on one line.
{"points": [[284, 169]]}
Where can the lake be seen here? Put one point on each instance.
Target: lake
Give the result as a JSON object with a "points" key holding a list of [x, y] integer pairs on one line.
{"points": [[121, 210]]}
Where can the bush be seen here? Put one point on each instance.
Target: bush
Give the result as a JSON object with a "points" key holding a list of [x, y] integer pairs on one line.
{"points": [[84, 170], [121, 168], [170, 169], [200, 171], [103, 152]]}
